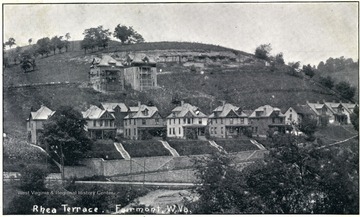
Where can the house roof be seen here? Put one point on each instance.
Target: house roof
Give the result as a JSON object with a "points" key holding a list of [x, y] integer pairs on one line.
{"points": [[186, 110], [139, 112], [349, 106], [94, 112], [223, 110], [42, 114], [302, 109], [107, 60], [315, 106], [110, 106], [266, 110], [141, 58]]}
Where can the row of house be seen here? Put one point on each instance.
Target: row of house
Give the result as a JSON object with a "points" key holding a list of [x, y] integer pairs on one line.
{"points": [[188, 121], [110, 75]]}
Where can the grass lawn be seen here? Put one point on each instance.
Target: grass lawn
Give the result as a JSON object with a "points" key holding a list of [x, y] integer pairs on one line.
{"points": [[236, 145], [192, 147], [18, 154], [146, 148], [104, 149], [332, 134]]}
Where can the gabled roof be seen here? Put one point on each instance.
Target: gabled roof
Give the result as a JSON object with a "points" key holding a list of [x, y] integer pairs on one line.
{"points": [[141, 58], [107, 60], [110, 106], [315, 106], [139, 112], [349, 106], [266, 110], [302, 109], [95, 112], [225, 109], [42, 114], [186, 110]]}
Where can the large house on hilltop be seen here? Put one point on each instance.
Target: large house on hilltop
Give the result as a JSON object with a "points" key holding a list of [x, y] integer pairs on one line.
{"points": [[143, 122], [35, 123], [140, 72], [267, 117], [106, 74], [228, 121], [187, 122], [119, 110], [100, 124]]}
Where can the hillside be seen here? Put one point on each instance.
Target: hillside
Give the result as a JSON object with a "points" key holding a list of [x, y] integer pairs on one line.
{"points": [[246, 82]]}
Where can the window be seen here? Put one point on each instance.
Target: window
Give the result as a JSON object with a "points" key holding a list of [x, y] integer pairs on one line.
{"points": [[179, 129], [188, 120], [273, 120], [106, 123], [134, 131], [134, 122], [184, 120], [174, 120], [210, 121], [143, 121], [231, 120], [222, 130], [242, 120], [215, 130], [200, 121], [94, 123], [169, 131], [174, 130], [211, 130], [231, 130], [101, 123], [215, 121], [290, 117], [157, 121], [222, 121]]}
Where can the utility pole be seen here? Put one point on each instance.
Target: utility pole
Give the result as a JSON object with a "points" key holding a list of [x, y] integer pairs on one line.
{"points": [[62, 164]]}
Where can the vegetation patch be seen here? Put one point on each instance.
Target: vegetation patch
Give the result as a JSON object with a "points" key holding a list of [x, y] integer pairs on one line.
{"points": [[104, 149], [17, 154], [236, 145], [192, 147], [146, 148]]}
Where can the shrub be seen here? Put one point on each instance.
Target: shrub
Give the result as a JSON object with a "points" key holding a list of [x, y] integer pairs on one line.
{"points": [[327, 82]]}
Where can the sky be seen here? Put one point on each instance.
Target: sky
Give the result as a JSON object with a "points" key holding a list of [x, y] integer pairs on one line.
{"points": [[306, 32]]}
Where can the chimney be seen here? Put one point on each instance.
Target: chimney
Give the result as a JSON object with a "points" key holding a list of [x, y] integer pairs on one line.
{"points": [[340, 102], [223, 102], [317, 102], [334, 101], [182, 102], [323, 101], [307, 101], [139, 104]]}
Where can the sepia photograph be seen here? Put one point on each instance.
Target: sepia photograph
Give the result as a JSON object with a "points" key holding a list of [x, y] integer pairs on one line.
{"points": [[180, 108]]}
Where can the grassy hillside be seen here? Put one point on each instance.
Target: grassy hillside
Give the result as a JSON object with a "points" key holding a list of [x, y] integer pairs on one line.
{"points": [[247, 86]]}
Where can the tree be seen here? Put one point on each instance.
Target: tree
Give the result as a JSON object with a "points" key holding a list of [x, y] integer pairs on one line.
{"points": [[327, 81], [32, 178], [27, 61], [345, 90], [67, 43], [65, 136], [308, 126], [95, 37], [263, 51], [10, 42], [221, 189], [30, 40], [279, 59], [354, 117], [43, 46], [308, 70], [56, 43], [127, 35]]}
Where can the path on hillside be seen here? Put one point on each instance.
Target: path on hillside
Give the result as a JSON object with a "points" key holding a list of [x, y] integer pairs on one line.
{"points": [[218, 147], [260, 146], [337, 143], [169, 148], [120, 148]]}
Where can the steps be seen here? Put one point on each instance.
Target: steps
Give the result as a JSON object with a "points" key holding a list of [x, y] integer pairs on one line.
{"points": [[171, 149], [261, 147], [120, 148], [218, 147]]}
